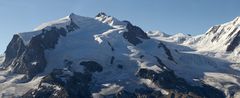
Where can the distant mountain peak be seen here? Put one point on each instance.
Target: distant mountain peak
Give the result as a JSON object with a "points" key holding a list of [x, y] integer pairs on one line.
{"points": [[236, 21], [72, 16], [101, 14], [222, 37], [112, 21], [62, 22]]}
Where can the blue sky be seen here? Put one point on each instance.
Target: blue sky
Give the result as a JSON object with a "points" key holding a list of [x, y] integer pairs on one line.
{"points": [[171, 16]]}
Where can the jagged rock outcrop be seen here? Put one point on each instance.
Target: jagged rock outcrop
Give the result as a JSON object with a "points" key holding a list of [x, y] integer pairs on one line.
{"points": [[65, 83], [134, 34], [29, 58]]}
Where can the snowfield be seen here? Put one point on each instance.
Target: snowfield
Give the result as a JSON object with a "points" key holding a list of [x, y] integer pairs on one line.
{"points": [[208, 60]]}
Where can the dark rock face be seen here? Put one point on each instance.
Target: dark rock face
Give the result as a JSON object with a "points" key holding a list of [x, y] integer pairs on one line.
{"points": [[140, 93], [134, 34], [232, 32], [123, 94], [178, 87], [161, 64], [49, 38], [217, 37], [167, 51], [77, 84], [46, 92], [101, 14], [72, 26], [112, 60], [29, 59], [73, 85], [34, 52], [14, 50], [214, 29], [112, 48], [21, 57], [91, 66], [120, 66], [235, 42]]}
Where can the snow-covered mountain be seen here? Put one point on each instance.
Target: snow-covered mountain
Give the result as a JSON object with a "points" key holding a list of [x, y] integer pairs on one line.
{"points": [[223, 37], [178, 38], [83, 57], [157, 34]]}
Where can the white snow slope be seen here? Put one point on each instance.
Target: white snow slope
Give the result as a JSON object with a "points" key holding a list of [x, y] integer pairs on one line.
{"points": [[218, 37], [213, 45]]}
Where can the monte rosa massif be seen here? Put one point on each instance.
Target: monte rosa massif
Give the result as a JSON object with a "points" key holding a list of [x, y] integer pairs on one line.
{"points": [[103, 57]]}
